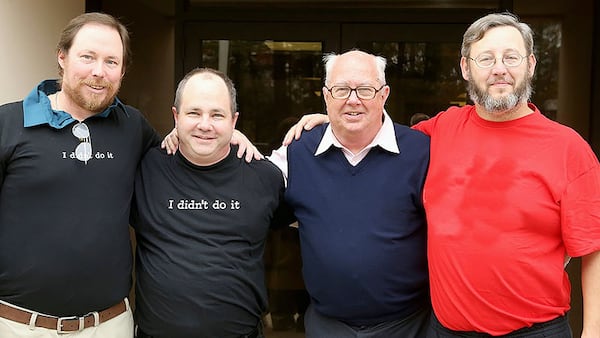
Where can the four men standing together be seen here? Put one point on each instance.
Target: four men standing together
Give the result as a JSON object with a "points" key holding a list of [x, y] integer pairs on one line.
{"points": [[508, 194]]}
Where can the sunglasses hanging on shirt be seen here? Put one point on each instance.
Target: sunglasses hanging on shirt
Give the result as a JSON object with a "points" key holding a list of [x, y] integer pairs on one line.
{"points": [[83, 151]]}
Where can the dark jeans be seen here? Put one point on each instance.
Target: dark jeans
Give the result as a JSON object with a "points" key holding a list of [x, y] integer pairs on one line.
{"points": [[319, 326], [556, 328]]}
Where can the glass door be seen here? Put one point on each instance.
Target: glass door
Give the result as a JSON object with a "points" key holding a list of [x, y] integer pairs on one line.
{"points": [[423, 69], [276, 68], [278, 72]]}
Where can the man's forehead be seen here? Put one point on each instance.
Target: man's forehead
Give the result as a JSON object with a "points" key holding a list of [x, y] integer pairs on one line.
{"points": [[95, 28], [98, 36], [353, 77], [204, 79], [500, 39], [206, 89]]}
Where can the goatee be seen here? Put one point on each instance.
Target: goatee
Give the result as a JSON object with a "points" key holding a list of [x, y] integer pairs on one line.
{"points": [[92, 102]]}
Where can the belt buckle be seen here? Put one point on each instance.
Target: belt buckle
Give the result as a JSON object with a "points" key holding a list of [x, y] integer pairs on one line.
{"points": [[59, 324]]}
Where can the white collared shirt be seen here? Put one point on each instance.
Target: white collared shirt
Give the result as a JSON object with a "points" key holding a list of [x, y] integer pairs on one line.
{"points": [[385, 138]]}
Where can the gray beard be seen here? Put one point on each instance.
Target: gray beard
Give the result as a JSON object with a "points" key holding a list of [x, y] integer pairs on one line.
{"points": [[522, 93]]}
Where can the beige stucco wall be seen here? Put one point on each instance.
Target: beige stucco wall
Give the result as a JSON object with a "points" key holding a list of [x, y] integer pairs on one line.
{"points": [[29, 30]]}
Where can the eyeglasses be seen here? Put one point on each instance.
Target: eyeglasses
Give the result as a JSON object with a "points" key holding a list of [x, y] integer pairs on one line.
{"points": [[362, 92], [487, 60], [83, 151]]}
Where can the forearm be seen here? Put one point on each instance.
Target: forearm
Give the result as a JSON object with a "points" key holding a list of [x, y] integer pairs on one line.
{"points": [[590, 284]]}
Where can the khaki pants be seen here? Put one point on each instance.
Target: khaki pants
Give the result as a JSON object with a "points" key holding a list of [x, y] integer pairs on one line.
{"points": [[119, 327]]}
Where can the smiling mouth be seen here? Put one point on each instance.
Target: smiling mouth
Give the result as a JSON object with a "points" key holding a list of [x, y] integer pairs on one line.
{"points": [[204, 138], [97, 85], [500, 82]]}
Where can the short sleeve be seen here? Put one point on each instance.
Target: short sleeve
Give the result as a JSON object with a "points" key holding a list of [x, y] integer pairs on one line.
{"points": [[580, 213]]}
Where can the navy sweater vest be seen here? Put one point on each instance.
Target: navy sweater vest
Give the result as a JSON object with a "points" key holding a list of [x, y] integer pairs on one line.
{"points": [[363, 230]]}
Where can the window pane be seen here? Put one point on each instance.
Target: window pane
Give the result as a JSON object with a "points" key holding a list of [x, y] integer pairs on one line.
{"points": [[274, 79], [547, 37], [424, 77]]}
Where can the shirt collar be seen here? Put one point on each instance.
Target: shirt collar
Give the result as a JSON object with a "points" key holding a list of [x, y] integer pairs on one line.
{"points": [[37, 109], [385, 138]]}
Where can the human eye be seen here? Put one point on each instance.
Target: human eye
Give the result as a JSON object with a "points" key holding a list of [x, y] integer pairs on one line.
{"points": [[485, 59], [112, 63], [86, 57], [365, 91], [218, 116], [340, 91], [512, 59]]}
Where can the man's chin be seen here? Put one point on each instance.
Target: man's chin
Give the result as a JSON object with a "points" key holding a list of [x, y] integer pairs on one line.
{"points": [[98, 106]]}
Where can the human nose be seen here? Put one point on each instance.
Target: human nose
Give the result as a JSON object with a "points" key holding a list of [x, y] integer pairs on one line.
{"points": [[353, 97], [98, 69], [203, 123], [499, 66]]}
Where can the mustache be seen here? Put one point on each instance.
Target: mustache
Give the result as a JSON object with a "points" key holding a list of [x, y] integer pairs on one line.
{"points": [[100, 83], [501, 79]]}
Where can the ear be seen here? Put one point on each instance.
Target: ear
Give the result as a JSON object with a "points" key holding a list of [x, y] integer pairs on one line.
{"points": [[386, 92], [326, 95], [235, 118], [61, 56], [464, 67], [532, 63], [325, 92], [175, 115]]}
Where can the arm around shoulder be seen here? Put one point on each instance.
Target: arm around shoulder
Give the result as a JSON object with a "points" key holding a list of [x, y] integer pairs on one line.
{"points": [[590, 284], [307, 122]]}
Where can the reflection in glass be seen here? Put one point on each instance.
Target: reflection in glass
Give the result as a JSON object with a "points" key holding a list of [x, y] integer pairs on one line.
{"points": [[424, 77], [274, 79], [547, 35]]}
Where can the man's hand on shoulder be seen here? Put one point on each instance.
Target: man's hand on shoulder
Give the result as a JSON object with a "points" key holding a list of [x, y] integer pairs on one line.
{"points": [[171, 143], [307, 122], [245, 146]]}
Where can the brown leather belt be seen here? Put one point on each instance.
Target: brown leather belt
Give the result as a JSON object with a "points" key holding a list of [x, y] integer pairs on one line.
{"points": [[61, 324]]}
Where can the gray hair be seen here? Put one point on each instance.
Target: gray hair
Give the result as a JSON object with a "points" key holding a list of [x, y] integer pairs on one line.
{"points": [[477, 30], [196, 71], [380, 62]]}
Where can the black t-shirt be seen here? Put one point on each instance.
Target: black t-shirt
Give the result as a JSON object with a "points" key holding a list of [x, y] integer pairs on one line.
{"points": [[64, 238], [200, 241]]}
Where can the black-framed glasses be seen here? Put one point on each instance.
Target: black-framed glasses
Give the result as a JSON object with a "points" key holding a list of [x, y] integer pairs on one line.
{"points": [[362, 92], [488, 60], [83, 151]]}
